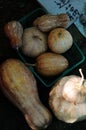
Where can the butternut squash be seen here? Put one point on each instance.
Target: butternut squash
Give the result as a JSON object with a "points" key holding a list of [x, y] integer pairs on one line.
{"points": [[14, 31], [49, 22], [19, 85]]}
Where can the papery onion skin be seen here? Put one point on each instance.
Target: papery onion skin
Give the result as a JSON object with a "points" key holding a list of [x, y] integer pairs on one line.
{"points": [[60, 40], [34, 42], [66, 108]]}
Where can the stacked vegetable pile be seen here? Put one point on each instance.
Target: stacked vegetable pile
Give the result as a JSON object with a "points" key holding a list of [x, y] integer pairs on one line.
{"points": [[45, 41]]}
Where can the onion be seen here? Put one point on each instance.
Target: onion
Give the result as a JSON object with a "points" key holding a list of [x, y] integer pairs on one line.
{"points": [[72, 87], [34, 42], [60, 40], [67, 98]]}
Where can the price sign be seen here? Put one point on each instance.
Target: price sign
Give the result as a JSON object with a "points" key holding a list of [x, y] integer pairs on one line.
{"points": [[69, 8]]}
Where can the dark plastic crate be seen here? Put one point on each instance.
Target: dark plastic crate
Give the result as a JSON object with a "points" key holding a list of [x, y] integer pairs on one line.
{"points": [[74, 55]]}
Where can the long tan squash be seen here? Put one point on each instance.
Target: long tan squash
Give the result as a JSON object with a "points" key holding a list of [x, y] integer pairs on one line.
{"points": [[19, 85]]}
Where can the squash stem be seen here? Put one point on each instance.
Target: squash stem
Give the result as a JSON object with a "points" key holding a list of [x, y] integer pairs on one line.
{"points": [[80, 84], [29, 64], [82, 77]]}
